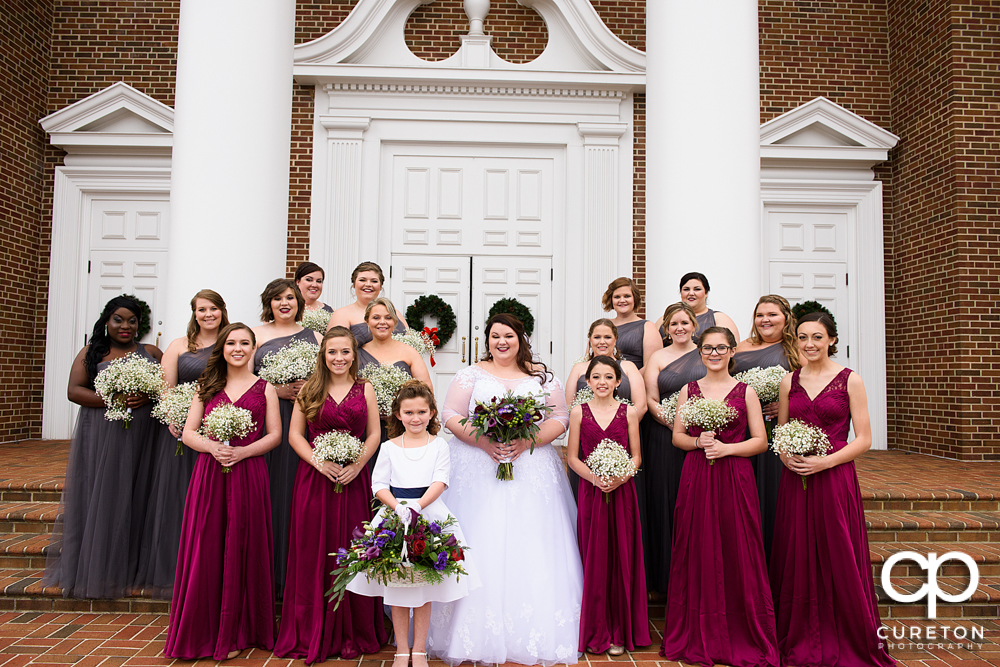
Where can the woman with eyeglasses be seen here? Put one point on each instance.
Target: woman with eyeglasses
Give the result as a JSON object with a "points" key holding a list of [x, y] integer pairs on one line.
{"points": [[719, 608], [669, 369]]}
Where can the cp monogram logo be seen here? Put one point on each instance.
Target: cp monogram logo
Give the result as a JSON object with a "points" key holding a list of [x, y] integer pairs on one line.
{"points": [[930, 590]]}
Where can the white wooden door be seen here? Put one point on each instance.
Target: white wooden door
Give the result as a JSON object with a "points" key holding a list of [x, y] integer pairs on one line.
{"points": [[808, 260], [128, 252], [527, 279]]}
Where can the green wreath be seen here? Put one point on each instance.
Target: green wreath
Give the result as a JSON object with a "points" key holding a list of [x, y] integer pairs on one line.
{"points": [[806, 307], [434, 306], [518, 310], [145, 321]]}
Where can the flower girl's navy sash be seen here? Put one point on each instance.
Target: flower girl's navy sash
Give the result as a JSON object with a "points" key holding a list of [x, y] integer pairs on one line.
{"points": [[411, 492]]}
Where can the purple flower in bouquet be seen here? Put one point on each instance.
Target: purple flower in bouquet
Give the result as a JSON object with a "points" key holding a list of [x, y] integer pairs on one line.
{"points": [[381, 540], [371, 553], [442, 561], [342, 556], [391, 534], [435, 528], [451, 541], [358, 533]]}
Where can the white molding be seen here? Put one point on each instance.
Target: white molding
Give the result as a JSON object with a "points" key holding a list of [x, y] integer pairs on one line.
{"points": [[575, 26], [410, 88], [67, 300], [100, 105], [832, 116]]}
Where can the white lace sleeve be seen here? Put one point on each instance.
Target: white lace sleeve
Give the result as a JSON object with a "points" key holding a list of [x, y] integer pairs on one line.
{"points": [[456, 403], [556, 400]]}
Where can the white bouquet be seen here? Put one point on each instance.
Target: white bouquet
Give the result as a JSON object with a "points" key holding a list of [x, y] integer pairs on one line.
{"points": [[317, 320], [227, 422], [418, 340], [337, 446], [706, 413], [796, 438], [173, 407], [386, 380], [765, 381], [295, 361], [668, 407], [130, 374], [586, 394], [609, 460]]}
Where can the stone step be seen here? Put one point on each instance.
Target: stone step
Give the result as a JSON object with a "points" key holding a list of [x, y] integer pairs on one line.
{"points": [[937, 526], [21, 590], [930, 501]]}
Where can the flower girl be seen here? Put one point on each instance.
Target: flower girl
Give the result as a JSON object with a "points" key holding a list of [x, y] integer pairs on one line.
{"points": [[412, 471], [614, 615]]}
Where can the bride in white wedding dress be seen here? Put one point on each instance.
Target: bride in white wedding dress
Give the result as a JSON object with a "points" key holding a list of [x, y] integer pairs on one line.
{"points": [[522, 532]]}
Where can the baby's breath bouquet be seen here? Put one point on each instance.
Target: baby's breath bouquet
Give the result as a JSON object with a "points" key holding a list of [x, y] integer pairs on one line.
{"points": [[708, 414], [609, 461], [317, 320], [586, 394], [173, 407], [796, 438], [295, 361], [130, 374], [668, 407], [337, 446], [227, 422], [418, 340], [386, 379], [765, 381]]}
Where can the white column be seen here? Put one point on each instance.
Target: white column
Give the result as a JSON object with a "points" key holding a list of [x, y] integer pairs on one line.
{"points": [[232, 134], [703, 152]]}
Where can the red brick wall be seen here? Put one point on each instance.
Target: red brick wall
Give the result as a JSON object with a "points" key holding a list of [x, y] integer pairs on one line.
{"points": [[25, 33], [945, 100]]}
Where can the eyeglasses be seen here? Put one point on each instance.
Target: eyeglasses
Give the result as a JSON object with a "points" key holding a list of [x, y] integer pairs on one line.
{"points": [[709, 349]]}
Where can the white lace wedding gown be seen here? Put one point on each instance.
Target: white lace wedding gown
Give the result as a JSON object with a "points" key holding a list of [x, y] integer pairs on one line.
{"points": [[523, 536]]}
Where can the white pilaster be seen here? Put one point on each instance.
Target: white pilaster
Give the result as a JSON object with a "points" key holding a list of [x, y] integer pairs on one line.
{"points": [[703, 152], [231, 154]]}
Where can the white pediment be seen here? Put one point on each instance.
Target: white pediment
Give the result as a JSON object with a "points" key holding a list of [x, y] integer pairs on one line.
{"points": [[373, 34], [822, 123], [119, 108]]}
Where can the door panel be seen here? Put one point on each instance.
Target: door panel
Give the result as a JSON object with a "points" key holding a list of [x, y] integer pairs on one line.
{"points": [[816, 281], [115, 272]]}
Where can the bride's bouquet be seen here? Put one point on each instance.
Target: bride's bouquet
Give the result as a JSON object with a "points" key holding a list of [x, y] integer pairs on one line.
{"points": [[227, 422], [293, 362], [586, 394], [609, 460], [394, 554], [796, 438], [130, 374], [386, 379], [505, 420], [173, 407], [317, 320], [337, 446], [708, 414]]}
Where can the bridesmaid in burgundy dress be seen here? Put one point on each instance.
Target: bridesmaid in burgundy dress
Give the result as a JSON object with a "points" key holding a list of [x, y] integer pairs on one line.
{"points": [[718, 601], [323, 520], [223, 599], [821, 575], [613, 615]]}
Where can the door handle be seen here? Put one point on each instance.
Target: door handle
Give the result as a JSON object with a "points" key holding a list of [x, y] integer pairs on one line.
{"points": [[463, 349], [476, 358]]}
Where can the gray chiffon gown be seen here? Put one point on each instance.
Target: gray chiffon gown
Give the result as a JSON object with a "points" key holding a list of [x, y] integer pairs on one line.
{"points": [[629, 341], [161, 534], [658, 482], [624, 391], [94, 548], [767, 466], [282, 463], [364, 359]]}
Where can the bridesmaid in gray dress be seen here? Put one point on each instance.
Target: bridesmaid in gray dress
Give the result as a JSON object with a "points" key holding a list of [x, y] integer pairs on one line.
{"points": [[309, 279], [367, 281], [93, 552], [602, 339], [183, 361], [381, 321], [282, 307], [772, 342], [694, 292], [658, 482], [637, 338]]}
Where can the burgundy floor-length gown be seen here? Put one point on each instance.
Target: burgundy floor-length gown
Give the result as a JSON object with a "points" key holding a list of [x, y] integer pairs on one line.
{"points": [[614, 577], [224, 592], [719, 602], [821, 574], [322, 522]]}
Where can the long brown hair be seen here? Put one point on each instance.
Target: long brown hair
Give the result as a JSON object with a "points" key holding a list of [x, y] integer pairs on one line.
{"points": [[603, 322], [312, 396], [525, 360], [194, 328], [789, 341], [213, 379], [669, 313], [413, 389], [276, 288]]}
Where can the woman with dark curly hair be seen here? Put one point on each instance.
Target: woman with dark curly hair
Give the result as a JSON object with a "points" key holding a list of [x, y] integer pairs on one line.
{"points": [[94, 548]]}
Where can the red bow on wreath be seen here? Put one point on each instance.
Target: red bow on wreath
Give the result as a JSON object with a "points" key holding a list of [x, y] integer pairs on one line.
{"points": [[432, 335]]}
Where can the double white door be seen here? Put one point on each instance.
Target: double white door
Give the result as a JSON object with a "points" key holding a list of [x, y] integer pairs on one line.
{"points": [[471, 285]]}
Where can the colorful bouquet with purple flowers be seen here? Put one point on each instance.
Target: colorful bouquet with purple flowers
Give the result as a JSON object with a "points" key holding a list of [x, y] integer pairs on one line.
{"points": [[395, 555], [506, 420]]}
